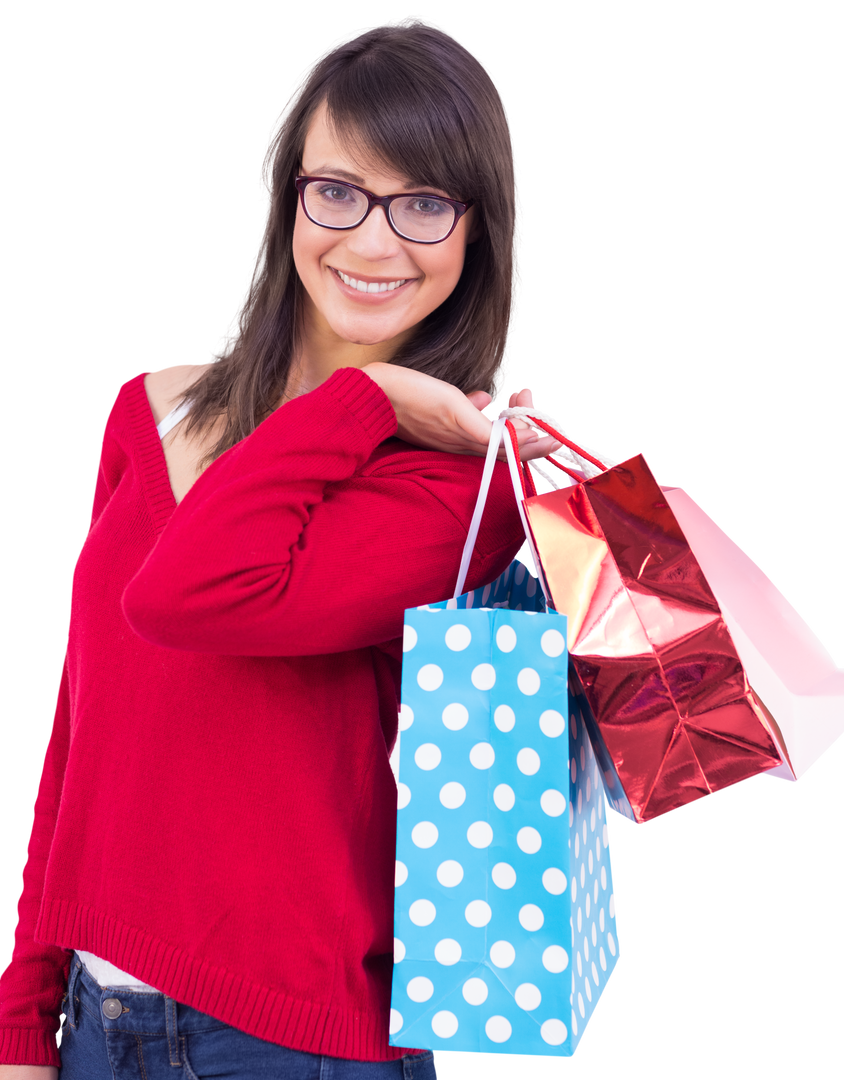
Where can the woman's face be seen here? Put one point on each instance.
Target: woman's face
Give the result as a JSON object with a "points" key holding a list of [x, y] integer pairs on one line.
{"points": [[372, 252]]}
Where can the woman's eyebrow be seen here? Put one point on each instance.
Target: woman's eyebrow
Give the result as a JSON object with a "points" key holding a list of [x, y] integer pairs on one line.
{"points": [[344, 174]]}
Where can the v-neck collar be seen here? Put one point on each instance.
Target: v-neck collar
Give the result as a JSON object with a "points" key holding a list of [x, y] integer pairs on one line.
{"points": [[149, 454]]}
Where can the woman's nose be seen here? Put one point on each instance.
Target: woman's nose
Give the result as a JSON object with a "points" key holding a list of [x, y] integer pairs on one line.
{"points": [[374, 238]]}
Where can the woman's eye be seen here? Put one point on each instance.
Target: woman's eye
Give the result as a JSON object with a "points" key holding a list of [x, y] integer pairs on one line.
{"points": [[334, 192], [428, 207]]}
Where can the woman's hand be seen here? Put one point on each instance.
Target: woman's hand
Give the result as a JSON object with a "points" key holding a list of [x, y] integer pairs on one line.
{"points": [[436, 415]]}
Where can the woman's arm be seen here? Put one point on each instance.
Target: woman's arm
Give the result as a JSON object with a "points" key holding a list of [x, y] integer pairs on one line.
{"points": [[294, 542]]}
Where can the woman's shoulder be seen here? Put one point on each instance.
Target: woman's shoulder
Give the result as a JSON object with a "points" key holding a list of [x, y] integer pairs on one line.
{"points": [[165, 387]]}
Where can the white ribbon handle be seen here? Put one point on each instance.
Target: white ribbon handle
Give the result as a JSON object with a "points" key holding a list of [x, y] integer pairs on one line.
{"points": [[498, 431]]}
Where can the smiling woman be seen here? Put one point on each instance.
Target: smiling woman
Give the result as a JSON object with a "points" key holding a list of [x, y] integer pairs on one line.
{"points": [[400, 110], [234, 653], [403, 280]]}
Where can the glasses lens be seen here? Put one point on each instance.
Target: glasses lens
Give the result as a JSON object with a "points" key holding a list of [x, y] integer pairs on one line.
{"points": [[335, 205], [420, 218]]}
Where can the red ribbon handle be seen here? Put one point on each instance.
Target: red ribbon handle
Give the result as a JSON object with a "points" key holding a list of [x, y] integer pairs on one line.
{"points": [[528, 487], [567, 442]]}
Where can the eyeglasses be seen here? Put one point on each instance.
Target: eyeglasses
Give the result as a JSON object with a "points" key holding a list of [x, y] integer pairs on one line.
{"points": [[422, 218]]}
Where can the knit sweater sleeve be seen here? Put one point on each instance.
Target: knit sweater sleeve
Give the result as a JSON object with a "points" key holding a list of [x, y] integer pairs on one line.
{"points": [[32, 986], [291, 544]]}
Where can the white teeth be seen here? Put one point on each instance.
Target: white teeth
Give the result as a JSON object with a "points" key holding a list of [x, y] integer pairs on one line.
{"points": [[370, 286]]}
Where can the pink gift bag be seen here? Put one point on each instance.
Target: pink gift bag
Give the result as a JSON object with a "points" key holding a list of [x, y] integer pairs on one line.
{"points": [[790, 671]]}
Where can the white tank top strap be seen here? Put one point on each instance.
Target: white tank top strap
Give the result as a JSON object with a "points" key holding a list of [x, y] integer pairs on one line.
{"points": [[172, 418]]}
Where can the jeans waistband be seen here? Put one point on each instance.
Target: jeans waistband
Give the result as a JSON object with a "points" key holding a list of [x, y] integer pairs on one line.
{"points": [[134, 1010]]}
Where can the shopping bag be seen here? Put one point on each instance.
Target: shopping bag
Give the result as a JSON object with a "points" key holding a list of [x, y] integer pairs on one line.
{"points": [[792, 673], [789, 669], [504, 912], [668, 705]]}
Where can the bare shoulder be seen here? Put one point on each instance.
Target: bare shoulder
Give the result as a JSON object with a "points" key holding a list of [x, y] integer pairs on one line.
{"points": [[165, 387]]}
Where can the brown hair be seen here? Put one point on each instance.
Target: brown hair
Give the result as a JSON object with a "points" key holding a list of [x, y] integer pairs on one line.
{"points": [[418, 102]]}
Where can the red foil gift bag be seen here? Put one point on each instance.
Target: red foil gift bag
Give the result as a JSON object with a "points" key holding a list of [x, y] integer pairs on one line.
{"points": [[666, 700]]}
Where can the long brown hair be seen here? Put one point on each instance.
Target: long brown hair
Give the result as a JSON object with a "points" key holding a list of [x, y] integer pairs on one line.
{"points": [[418, 102]]}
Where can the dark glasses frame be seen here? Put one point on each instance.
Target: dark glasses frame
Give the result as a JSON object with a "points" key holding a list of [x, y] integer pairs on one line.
{"points": [[460, 208]]}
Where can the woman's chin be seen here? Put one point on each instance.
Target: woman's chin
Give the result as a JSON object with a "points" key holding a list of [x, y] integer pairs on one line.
{"points": [[372, 332]]}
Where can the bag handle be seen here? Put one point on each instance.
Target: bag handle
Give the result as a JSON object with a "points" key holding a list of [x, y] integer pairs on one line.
{"points": [[585, 464], [582, 466], [498, 431]]}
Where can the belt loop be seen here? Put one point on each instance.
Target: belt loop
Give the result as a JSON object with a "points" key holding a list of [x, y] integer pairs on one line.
{"points": [[172, 1031]]}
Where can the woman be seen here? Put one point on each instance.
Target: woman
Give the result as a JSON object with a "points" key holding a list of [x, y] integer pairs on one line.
{"points": [[209, 883]]}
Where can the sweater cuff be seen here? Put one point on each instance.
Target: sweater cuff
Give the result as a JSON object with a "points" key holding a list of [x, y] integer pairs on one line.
{"points": [[28, 1046], [365, 400]]}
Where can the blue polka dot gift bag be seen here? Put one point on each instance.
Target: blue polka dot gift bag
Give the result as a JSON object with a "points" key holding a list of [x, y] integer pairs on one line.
{"points": [[504, 913]]}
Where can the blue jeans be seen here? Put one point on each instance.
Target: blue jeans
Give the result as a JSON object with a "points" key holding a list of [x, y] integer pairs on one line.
{"points": [[130, 1034]]}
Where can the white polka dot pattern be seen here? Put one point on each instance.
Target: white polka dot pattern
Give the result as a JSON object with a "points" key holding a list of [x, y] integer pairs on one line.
{"points": [[504, 916]]}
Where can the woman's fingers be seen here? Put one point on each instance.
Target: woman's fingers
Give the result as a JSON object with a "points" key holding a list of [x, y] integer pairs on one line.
{"points": [[531, 444], [534, 446], [537, 448], [479, 398]]}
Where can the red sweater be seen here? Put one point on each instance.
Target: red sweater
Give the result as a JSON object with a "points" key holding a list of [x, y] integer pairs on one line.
{"points": [[217, 810]]}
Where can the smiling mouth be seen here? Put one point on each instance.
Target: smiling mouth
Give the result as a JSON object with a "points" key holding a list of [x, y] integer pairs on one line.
{"points": [[370, 286]]}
